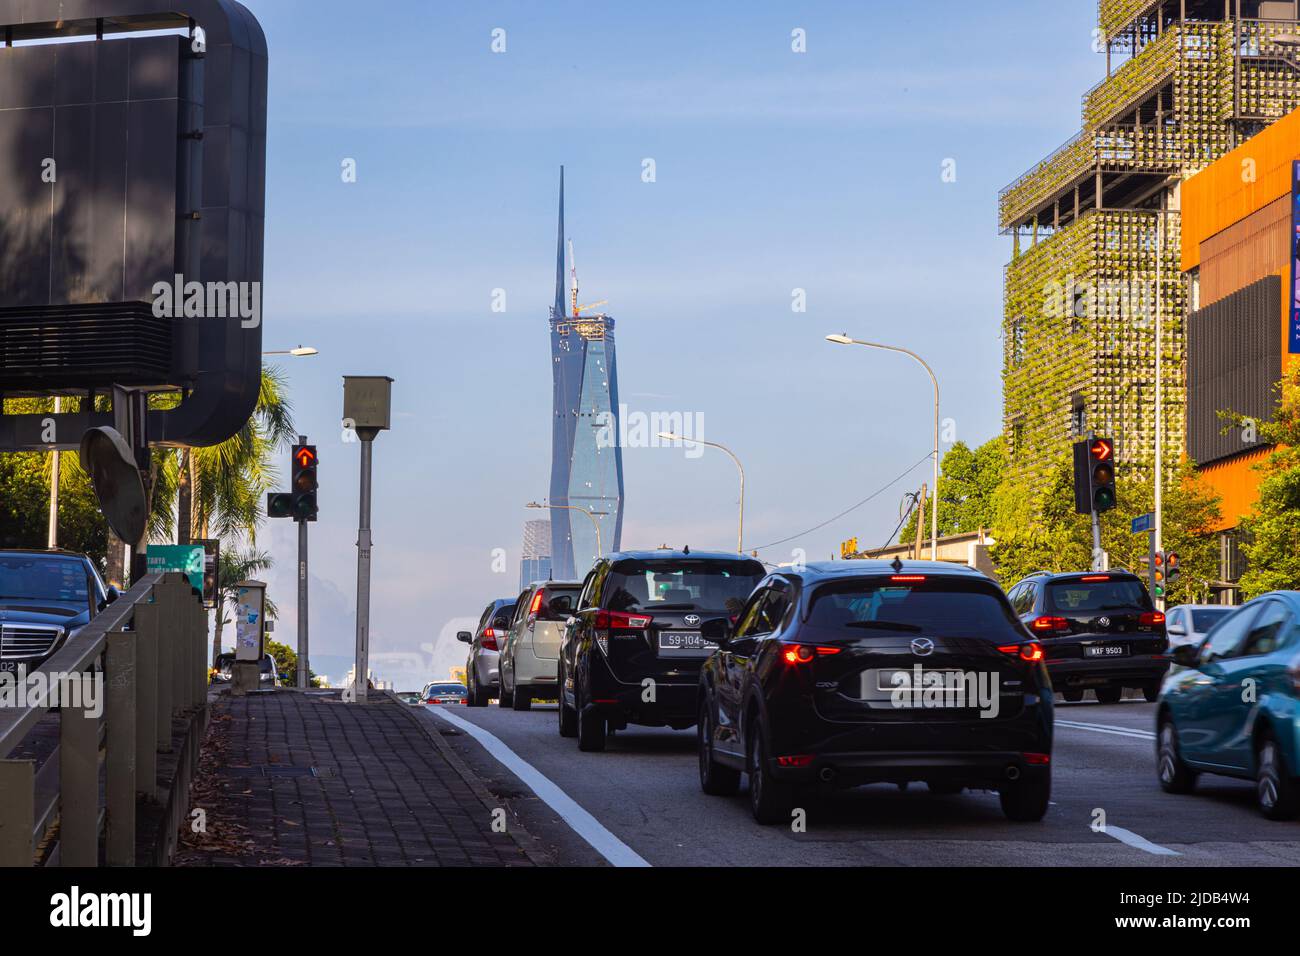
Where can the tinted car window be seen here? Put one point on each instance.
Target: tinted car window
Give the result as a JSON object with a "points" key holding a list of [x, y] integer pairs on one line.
{"points": [[1203, 620], [948, 608], [41, 578], [683, 584], [557, 603], [1268, 630], [1113, 594], [1227, 635], [443, 690]]}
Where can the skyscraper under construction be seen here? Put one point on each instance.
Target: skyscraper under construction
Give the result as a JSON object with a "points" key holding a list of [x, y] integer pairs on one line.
{"points": [[586, 458], [1096, 225]]}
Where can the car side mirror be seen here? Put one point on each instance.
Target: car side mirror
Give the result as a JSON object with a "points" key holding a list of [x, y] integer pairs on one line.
{"points": [[1187, 655], [717, 630], [1177, 630], [110, 595], [464, 636]]}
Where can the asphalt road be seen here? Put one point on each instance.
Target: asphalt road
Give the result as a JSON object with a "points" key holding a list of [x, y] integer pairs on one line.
{"points": [[644, 790]]}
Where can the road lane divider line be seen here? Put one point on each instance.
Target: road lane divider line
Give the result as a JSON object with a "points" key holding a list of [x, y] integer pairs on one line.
{"points": [[579, 820], [1129, 838], [1107, 729]]}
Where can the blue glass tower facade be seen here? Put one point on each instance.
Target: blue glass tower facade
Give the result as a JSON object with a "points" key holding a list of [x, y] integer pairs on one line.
{"points": [[586, 458]]}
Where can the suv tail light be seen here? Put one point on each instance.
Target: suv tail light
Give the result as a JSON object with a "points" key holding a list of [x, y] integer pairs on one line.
{"points": [[489, 639], [1048, 625], [803, 653], [1151, 619], [1032, 651], [619, 621]]}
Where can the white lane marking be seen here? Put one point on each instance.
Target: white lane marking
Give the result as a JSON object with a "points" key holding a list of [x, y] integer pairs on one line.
{"points": [[1108, 729], [1137, 842], [579, 820]]}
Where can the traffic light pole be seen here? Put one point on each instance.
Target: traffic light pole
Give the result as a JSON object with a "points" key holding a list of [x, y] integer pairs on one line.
{"points": [[1098, 559], [304, 665], [360, 678]]}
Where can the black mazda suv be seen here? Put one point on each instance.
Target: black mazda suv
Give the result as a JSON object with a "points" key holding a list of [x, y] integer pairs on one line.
{"points": [[858, 672], [632, 650], [1100, 632]]}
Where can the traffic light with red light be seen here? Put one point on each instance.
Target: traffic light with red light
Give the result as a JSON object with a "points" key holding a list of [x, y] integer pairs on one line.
{"points": [[1159, 575], [1094, 476], [1171, 567], [304, 483]]}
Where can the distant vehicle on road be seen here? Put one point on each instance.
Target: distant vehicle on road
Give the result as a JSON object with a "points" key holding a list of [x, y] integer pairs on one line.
{"points": [[411, 697], [485, 650], [1100, 632], [531, 651], [1189, 623], [1235, 709], [854, 672], [268, 670], [633, 652], [45, 597], [444, 692]]}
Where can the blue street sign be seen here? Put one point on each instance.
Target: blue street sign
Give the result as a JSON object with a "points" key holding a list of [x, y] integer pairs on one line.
{"points": [[1143, 523]]}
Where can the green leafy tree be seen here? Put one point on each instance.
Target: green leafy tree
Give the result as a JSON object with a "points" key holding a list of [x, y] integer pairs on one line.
{"points": [[1045, 534], [286, 658], [1271, 532], [967, 482]]}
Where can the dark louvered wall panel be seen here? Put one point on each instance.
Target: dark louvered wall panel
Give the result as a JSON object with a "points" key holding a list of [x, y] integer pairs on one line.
{"points": [[1234, 360], [83, 346]]}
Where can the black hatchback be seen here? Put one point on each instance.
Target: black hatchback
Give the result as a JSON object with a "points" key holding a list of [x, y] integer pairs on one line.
{"points": [[632, 651], [857, 672], [1100, 632]]}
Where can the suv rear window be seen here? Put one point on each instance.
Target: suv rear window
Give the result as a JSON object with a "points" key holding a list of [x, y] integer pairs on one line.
{"points": [[558, 603], [681, 584], [1111, 594], [937, 606]]}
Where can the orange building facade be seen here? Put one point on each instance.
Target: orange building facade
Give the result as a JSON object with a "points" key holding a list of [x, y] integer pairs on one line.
{"points": [[1236, 252]]}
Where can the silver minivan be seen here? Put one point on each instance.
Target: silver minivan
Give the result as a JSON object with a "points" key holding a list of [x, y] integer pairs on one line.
{"points": [[530, 656]]}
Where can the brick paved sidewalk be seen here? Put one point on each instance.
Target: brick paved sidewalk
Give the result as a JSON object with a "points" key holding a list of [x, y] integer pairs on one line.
{"points": [[304, 779]]}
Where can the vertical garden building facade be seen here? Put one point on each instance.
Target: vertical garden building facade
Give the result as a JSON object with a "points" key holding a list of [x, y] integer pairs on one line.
{"points": [[1096, 225]]}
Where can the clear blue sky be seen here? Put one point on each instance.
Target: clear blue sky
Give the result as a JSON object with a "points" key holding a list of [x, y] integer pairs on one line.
{"points": [[775, 171]]}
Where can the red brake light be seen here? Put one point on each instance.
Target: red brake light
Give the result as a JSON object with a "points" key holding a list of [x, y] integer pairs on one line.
{"points": [[795, 760], [1093, 578], [537, 603], [907, 578], [611, 620], [489, 639], [803, 653], [1151, 618], [1031, 652], [1050, 624], [1037, 760]]}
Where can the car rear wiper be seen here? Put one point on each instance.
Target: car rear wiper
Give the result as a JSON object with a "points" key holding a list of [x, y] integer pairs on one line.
{"points": [[884, 626]]}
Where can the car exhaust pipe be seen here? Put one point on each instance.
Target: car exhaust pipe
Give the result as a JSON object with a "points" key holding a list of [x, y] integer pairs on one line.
{"points": [[827, 774], [1013, 772]]}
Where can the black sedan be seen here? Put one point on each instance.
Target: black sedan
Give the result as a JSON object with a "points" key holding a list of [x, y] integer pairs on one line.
{"points": [[45, 596], [858, 672]]}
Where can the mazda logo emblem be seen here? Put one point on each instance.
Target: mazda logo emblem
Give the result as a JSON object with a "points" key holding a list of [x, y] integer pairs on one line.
{"points": [[922, 647], [692, 620]]}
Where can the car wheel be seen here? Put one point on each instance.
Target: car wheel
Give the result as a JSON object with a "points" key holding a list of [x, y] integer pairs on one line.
{"points": [[521, 699], [715, 779], [1109, 695], [568, 718], [477, 696], [504, 699], [591, 725], [770, 800], [1275, 789], [945, 789], [1025, 800], [1175, 776], [1072, 696]]}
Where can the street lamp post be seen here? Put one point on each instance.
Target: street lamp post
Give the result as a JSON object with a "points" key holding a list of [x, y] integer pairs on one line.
{"points": [[300, 352], [740, 534], [600, 548], [934, 502]]}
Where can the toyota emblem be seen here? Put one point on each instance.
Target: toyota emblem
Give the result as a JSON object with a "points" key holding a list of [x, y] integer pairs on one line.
{"points": [[692, 620], [922, 647]]}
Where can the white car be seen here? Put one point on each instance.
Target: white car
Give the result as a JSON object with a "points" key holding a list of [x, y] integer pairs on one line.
{"points": [[530, 656], [1189, 623], [481, 672]]}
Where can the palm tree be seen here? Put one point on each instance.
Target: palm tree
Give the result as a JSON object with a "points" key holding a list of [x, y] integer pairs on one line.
{"points": [[234, 568]]}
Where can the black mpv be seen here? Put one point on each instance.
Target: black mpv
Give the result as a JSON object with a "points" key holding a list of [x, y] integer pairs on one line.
{"points": [[632, 651], [857, 672]]}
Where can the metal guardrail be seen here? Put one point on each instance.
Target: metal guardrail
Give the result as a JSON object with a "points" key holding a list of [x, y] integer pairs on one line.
{"points": [[150, 648]]}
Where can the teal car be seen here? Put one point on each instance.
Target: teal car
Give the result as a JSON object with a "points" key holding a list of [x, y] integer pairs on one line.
{"points": [[1235, 707]]}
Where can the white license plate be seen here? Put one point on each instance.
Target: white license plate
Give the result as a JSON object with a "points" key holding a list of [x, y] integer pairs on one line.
{"points": [[684, 641], [890, 680], [1105, 650]]}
